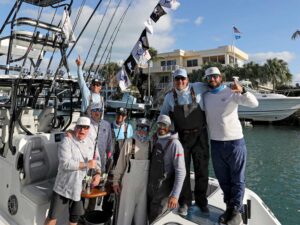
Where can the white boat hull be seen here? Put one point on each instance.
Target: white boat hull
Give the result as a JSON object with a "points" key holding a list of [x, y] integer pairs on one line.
{"points": [[270, 108]]}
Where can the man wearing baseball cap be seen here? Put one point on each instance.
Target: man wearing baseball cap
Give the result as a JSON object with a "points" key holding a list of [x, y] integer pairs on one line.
{"points": [[131, 176], [184, 104], [90, 95], [76, 156], [228, 149], [167, 170]]}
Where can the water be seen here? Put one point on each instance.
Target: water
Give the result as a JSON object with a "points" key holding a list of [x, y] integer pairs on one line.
{"points": [[273, 169]]}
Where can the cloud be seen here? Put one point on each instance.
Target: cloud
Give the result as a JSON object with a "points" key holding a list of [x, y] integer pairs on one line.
{"points": [[263, 56], [296, 78], [199, 21]]}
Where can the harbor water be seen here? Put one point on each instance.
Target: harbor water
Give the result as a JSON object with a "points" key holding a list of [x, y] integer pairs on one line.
{"points": [[273, 168]]}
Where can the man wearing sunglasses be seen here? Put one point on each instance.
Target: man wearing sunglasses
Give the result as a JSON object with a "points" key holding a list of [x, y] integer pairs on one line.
{"points": [[90, 95], [228, 149], [184, 104], [76, 156], [131, 176], [167, 170]]}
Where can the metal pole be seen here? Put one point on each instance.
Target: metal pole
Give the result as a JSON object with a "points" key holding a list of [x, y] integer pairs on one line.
{"points": [[149, 62]]}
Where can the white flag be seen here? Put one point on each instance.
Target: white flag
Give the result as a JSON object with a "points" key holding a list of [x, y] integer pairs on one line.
{"points": [[149, 27], [172, 4], [67, 27], [123, 79], [141, 55]]}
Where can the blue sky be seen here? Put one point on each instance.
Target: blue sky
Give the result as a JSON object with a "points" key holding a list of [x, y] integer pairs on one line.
{"points": [[266, 26]]}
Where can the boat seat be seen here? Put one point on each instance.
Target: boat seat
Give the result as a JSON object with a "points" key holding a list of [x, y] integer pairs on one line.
{"points": [[4, 121], [40, 169], [40, 24]]}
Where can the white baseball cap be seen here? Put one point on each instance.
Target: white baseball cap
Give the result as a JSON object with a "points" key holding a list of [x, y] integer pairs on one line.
{"points": [[96, 106], [212, 71], [143, 122], [83, 121], [164, 119], [180, 73]]}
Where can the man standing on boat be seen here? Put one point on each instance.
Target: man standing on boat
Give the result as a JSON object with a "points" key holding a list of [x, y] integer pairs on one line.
{"points": [[228, 147], [131, 176], [120, 132], [167, 170], [75, 155], [90, 95], [184, 104]]}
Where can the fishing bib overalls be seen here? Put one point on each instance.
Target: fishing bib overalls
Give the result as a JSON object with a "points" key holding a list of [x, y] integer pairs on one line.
{"points": [[190, 123]]}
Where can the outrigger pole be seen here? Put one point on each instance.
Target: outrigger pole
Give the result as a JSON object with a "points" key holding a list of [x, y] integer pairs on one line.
{"points": [[86, 24]]}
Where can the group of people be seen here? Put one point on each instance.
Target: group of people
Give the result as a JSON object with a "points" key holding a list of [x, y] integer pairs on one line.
{"points": [[151, 174]]}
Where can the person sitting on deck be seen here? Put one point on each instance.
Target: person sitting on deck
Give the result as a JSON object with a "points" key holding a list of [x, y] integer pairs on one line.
{"points": [[131, 176], [167, 170], [89, 96], [76, 156]]}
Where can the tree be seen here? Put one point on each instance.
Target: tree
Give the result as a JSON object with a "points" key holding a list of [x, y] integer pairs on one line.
{"points": [[277, 72]]}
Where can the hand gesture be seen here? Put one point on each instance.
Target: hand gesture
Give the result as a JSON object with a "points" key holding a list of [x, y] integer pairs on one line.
{"points": [[117, 188], [78, 61], [236, 87], [172, 202]]}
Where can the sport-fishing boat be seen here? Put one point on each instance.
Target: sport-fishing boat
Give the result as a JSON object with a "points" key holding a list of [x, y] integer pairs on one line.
{"points": [[31, 132], [272, 106]]}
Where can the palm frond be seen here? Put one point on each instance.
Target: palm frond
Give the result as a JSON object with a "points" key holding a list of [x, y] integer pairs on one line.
{"points": [[296, 34]]}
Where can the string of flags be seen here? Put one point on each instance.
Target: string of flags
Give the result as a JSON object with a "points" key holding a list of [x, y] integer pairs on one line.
{"points": [[140, 53]]}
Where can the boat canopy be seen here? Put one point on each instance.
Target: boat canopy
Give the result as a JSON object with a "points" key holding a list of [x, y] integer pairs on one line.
{"points": [[43, 3]]}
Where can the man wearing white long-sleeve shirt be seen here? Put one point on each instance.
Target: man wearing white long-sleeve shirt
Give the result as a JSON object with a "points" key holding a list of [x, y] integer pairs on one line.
{"points": [[228, 149], [76, 156]]}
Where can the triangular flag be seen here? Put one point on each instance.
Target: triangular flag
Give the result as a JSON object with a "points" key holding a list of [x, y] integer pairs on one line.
{"points": [[130, 65], [149, 27], [67, 27], [172, 4], [157, 13], [123, 80]]}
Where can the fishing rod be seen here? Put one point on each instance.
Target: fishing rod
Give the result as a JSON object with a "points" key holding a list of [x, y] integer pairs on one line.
{"points": [[102, 40], [96, 34], [113, 35], [86, 24]]}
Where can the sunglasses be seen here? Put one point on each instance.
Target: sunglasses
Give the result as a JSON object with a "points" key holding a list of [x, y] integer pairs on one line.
{"points": [[162, 125], [82, 127], [215, 76], [97, 110], [143, 128], [180, 78]]}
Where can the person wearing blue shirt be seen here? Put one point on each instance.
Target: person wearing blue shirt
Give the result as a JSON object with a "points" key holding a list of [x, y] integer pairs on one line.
{"points": [[184, 104], [90, 95]]}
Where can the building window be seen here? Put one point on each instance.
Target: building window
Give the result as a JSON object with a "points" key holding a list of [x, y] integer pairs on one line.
{"points": [[168, 65], [221, 59], [216, 58], [192, 63]]}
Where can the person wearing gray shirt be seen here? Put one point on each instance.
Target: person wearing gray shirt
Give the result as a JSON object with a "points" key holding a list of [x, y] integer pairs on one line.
{"points": [[167, 170]]}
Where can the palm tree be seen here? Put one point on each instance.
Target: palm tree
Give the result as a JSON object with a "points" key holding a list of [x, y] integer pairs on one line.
{"points": [[277, 71], [296, 34]]}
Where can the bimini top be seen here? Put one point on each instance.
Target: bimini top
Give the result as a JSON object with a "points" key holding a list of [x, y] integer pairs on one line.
{"points": [[43, 3]]}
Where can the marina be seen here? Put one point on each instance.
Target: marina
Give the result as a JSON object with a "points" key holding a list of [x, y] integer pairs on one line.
{"points": [[40, 103]]}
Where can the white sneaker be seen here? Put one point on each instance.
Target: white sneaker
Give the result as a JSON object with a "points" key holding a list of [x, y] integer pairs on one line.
{"points": [[183, 210], [236, 219]]}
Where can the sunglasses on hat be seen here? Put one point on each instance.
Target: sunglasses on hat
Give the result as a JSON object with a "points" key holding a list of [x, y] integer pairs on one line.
{"points": [[84, 127]]}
